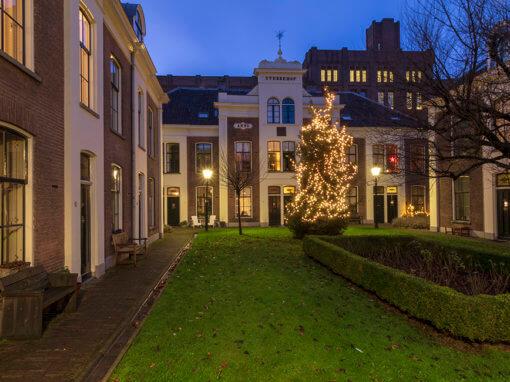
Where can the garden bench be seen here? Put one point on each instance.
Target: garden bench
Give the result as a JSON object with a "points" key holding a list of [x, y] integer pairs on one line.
{"points": [[461, 230], [123, 245], [355, 219], [26, 294]]}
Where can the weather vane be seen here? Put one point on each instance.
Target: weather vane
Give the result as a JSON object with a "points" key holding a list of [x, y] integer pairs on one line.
{"points": [[279, 36]]}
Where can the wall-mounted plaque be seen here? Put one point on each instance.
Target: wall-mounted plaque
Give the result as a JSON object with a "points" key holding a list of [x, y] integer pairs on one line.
{"points": [[172, 191], [273, 190], [503, 180], [243, 125], [289, 190], [392, 190]]}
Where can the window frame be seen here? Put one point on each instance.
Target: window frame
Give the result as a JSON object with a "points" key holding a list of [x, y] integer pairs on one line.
{"points": [[199, 170], [278, 155], [273, 110], [414, 195], [240, 163], [23, 26], [116, 197], [349, 199], [150, 133], [291, 160], [288, 114], [349, 154], [211, 191], [244, 197], [141, 124], [417, 164], [115, 93], [151, 202], [393, 168], [88, 53], [466, 196], [169, 168]]}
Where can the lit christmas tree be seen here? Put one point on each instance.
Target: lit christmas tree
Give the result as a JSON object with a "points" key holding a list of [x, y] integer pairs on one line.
{"points": [[323, 174]]}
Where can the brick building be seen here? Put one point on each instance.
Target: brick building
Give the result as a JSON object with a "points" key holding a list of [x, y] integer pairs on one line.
{"points": [[382, 72], [258, 129], [80, 132]]}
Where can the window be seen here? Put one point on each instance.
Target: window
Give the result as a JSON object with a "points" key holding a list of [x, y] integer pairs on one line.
{"points": [[391, 158], [378, 156], [141, 130], [273, 156], [152, 203], [115, 106], [418, 101], [172, 158], [84, 167], [243, 156], [85, 53], [380, 97], [417, 159], [363, 76], [358, 75], [289, 155], [12, 29], [462, 205], [138, 26], [352, 200], [273, 111], [244, 201], [413, 76], [409, 100], [203, 115], [203, 156], [150, 132], [288, 110], [390, 100], [352, 154], [13, 178], [204, 199], [323, 75], [335, 75], [418, 198], [328, 72], [351, 75], [116, 197]]}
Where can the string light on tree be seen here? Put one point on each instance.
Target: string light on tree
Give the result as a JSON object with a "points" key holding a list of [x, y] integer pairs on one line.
{"points": [[323, 173]]}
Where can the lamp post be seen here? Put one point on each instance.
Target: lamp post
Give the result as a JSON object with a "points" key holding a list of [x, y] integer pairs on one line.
{"points": [[375, 173], [207, 175]]}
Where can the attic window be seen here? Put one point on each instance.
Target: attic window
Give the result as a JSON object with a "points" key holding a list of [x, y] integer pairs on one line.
{"points": [[395, 118], [203, 114], [347, 117]]}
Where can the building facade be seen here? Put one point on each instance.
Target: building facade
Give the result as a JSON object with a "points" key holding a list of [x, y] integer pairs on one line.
{"points": [[257, 130], [80, 121]]}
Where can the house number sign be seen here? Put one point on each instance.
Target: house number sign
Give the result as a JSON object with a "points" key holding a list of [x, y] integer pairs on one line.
{"points": [[243, 125]]}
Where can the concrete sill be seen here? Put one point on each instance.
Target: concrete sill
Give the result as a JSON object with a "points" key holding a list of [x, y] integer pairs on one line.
{"points": [[89, 110], [20, 66]]}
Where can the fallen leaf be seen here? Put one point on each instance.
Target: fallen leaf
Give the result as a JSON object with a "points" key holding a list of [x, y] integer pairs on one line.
{"points": [[412, 356], [224, 364], [395, 346], [152, 365], [199, 335]]}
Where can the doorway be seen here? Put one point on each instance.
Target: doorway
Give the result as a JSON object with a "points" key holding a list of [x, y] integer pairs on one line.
{"points": [[173, 211], [392, 203], [141, 199], [379, 204], [503, 213], [275, 210], [85, 230]]}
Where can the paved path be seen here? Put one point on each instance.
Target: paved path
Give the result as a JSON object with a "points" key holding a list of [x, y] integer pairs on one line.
{"points": [[72, 342]]}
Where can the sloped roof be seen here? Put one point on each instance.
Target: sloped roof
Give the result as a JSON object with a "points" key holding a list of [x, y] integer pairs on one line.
{"points": [[188, 106]]}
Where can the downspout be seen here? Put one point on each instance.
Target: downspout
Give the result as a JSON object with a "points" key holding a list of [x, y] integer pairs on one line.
{"points": [[133, 145]]}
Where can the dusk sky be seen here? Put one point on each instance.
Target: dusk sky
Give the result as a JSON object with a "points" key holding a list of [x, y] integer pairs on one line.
{"points": [[231, 37]]}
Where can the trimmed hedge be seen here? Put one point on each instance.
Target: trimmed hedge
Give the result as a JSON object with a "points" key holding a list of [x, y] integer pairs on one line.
{"points": [[478, 318]]}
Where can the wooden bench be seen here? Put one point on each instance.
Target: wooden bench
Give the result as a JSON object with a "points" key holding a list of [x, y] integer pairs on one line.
{"points": [[26, 294], [356, 219], [123, 245], [461, 230]]}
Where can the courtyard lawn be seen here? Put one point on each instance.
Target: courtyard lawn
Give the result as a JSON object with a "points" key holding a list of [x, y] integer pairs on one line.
{"points": [[255, 308]]}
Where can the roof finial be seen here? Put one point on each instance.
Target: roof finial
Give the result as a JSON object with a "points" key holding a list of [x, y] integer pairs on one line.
{"points": [[279, 36]]}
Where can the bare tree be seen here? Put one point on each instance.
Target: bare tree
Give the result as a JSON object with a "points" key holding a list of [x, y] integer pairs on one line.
{"points": [[239, 175], [466, 87]]}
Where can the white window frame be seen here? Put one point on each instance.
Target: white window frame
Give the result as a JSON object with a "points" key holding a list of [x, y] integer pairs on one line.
{"points": [[117, 130], [141, 120], [196, 156], [120, 200], [150, 133], [251, 153], [244, 197]]}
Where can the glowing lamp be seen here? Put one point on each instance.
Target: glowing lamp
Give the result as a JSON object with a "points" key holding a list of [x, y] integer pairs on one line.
{"points": [[207, 174], [376, 171]]}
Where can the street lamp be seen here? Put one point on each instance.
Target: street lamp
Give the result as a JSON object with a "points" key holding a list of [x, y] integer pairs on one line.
{"points": [[207, 175], [375, 173]]}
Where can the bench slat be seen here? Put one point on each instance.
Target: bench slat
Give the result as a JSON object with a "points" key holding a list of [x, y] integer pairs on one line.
{"points": [[27, 279], [54, 294]]}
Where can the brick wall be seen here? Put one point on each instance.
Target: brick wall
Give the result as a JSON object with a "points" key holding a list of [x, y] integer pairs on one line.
{"points": [[37, 107], [360, 180], [246, 135], [153, 165], [117, 146]]}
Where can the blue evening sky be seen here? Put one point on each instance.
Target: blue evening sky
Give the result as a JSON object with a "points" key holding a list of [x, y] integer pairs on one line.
{"points": [[218, 37]]}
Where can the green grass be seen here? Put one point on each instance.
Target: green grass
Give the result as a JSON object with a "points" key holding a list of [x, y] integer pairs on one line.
{"points": [[256, 308]]}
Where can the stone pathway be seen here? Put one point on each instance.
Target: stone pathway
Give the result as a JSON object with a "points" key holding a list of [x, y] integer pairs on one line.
{"points": [[74, 342]]}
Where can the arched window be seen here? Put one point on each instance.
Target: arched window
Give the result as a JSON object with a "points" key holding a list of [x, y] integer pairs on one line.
{"points": [[288, 110], [273, 110], [13, 178]]}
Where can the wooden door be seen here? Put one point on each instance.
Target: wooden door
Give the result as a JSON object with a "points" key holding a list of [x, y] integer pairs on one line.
{"points": [[85, 230], [172, 209], [392, 206], [503, 213], [275, 211]]}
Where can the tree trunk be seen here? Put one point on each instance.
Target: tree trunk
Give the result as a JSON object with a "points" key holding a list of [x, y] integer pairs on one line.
{"points": [[239, 212]]}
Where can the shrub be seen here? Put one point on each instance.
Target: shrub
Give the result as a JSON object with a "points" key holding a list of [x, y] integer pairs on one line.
{"points": [[416, 222], [478, 318], [322, 227]]}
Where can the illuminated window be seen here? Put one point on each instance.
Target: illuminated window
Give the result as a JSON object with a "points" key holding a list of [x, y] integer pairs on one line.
{"points": [[116, 197], [141, 127], [203, 152], [363, 76], [204, 199], [115, 103], [418, 198], [419, 76], [358, 75], [409, 100], [417, 159], [462, 195], [12, 30], [352, 200], [243, 156], [351, 75], [413, 76], [408, 76], [418, 101], [335, 75], [172, 158], [380, 97], [390, 100], [85, 53], [288, 110], [244, 202], [352, 154], [273, 156], [150, 132], [151, 201], [323, 75], [289, 155], [273, 111], [13, 178], [328, 72], [385, 75], [379, 76], [391, 76], [391, 158]]}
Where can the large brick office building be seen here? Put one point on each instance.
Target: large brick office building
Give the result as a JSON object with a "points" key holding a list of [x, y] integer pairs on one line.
{"points": [[80, 117]]}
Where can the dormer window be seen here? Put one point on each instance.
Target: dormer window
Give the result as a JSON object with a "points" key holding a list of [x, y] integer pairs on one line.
{"points": [[288, 110], [138, 26], [273, 110], [203, 114]]}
